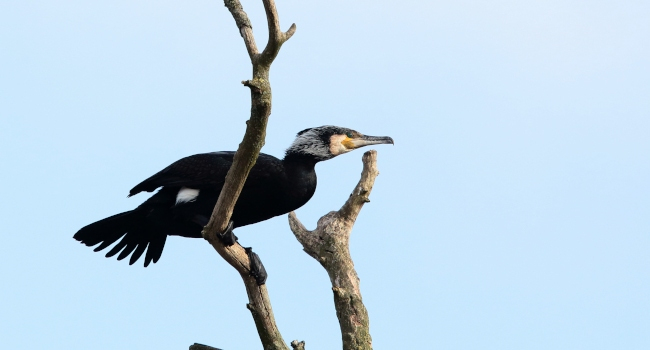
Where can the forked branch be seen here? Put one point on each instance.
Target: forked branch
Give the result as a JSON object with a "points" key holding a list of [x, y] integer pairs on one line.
{"points": [[329, 245], [276, 36], [244, 159]]}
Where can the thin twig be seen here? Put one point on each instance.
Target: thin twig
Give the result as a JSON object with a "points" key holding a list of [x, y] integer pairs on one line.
{"points": [[276, 36], [244, 25]]}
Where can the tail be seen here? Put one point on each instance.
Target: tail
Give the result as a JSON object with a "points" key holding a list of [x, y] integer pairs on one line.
{"points": [[136, 234]]}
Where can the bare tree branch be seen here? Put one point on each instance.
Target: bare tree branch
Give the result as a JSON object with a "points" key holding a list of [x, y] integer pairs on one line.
{"points": [[329, 245], [244, 25], [244, 159], [276, 36]]}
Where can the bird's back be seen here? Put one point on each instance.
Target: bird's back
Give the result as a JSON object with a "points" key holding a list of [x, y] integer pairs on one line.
{"points": [[272, 188]]}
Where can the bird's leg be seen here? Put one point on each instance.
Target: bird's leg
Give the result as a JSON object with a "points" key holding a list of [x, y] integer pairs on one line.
{"points": [[257, 269], [227, 237]]}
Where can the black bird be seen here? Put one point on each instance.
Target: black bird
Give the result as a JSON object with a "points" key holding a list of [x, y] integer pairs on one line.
{"points": [[191, 186]]}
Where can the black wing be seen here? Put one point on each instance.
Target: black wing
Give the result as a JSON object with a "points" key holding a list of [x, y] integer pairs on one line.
{"points": [[207, 170], [199, 170]]}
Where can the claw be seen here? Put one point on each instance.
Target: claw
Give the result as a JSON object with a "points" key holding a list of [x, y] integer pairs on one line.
{"points": [[227, 237]]}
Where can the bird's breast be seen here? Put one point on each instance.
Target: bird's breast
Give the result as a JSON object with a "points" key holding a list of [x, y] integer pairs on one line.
{"points": [[275, 195]]}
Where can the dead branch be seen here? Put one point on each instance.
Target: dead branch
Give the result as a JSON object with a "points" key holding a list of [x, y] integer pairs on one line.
{"points": [[246, 156], [329, 245]]}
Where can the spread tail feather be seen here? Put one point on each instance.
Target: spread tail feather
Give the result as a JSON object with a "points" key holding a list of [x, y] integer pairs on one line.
{"points": [[136, 236]]}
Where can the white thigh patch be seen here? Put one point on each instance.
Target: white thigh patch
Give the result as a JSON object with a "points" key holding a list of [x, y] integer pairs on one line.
{"points": [[186, 194]]}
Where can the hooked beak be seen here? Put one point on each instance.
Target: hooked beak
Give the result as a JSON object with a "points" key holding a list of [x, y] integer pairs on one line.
{"points": [[365, 140]]}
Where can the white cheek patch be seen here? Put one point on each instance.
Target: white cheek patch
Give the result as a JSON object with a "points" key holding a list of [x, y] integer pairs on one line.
{"points": [[336, 145], [186, 194]]}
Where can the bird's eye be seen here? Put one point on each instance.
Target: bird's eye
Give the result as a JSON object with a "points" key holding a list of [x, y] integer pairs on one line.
{"points": [[349, 134]]}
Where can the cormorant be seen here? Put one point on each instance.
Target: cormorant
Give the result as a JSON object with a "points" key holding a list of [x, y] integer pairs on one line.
{"points": [[191, 186]]}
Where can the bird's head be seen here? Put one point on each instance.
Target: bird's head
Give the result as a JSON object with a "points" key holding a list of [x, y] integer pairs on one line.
{"points": [[327, 142]]}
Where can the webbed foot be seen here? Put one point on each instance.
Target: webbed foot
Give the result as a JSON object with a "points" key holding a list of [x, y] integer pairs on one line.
{"points": [[257, 269]]}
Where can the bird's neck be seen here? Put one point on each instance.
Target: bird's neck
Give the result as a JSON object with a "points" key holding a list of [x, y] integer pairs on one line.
{"points": [[299, 160], [301, 176]]}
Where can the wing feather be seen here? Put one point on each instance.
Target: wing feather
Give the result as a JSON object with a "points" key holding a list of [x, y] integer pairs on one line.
{"points": [[200, 170]]}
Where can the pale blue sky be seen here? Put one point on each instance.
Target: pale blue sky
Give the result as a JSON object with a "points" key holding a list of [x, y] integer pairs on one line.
{"points": [[513, 211]]}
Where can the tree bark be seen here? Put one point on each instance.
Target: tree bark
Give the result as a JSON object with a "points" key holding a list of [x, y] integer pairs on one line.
{"points": [[244, 159], [329, 245]]}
